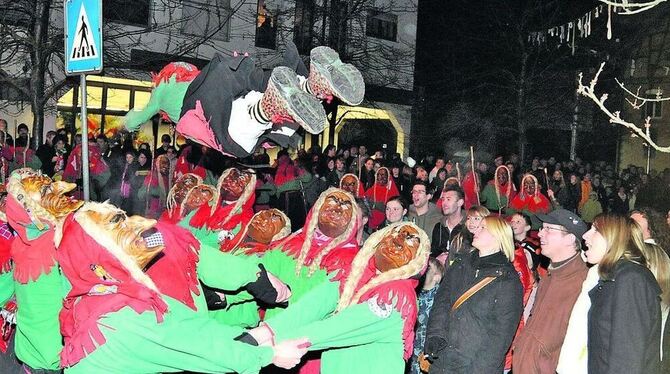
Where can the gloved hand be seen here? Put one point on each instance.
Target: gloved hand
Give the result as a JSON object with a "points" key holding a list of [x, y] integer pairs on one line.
{"points": [[288, 353], [268, 288], [216, 300]]}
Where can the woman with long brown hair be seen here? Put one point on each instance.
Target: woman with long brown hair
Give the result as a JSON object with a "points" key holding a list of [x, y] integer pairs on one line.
{"points": [[624, 321]]}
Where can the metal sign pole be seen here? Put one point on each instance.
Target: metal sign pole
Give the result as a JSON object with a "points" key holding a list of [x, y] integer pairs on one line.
{"points": [[84, 139]]}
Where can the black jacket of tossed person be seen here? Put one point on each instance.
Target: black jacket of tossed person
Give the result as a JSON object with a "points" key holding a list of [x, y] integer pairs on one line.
{"points": [[475, 337], [625, 322], [225, 79]]}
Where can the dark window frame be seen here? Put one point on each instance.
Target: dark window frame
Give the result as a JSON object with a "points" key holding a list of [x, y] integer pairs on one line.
{"points": [[303, 30], [381, 25], [653, 109], [216, 8], [127, 5]]}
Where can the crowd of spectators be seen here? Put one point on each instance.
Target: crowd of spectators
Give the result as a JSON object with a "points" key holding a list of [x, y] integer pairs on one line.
{"points": [[502, 216]]}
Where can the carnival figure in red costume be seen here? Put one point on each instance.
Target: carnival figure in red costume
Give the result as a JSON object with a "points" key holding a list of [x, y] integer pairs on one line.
{"points": [[471, 184], [530, 200], [232, 206], [326, 243], [136, 304], [231, 106], [7, 302], [364, 318], [99, 172], [36, 209], [352, 184], [383, 189], [156, 187], [325, 246], [177, 195]]}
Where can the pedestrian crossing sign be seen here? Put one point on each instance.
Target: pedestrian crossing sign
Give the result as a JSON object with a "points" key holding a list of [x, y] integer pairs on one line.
{"points": [[83, 36]]}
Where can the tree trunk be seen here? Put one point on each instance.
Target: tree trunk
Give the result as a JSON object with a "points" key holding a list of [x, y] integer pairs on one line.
{"points": [[39, 59], [38, 123], [521, 107]]}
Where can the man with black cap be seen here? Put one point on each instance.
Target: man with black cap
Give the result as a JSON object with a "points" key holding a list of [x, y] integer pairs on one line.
{"points": [[537, 348]]}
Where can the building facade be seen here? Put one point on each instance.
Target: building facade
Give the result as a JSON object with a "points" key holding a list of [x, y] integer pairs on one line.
{"points": [[648, 70], [141, 36]]}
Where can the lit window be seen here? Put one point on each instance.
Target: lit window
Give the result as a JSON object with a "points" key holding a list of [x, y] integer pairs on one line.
{"points": [[266, 27]]}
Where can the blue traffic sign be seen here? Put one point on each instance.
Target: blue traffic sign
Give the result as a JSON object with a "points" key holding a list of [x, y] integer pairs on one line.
{"points": [[83, 36]]}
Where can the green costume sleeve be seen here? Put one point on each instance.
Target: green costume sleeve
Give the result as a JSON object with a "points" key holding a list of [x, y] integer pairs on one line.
{"points": [[226, 271], [167, 97], [282, 266], [6, 287], [315, 305], [184, 341], [241, 310], [34, 163], [295, 183], [38, 341], [238, 297], [355, 325]]}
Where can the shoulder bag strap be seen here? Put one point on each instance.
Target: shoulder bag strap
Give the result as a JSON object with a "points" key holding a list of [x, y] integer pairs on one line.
{"points": [[473, 290]]}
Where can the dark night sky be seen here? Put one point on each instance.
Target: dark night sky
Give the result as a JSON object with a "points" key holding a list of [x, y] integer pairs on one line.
{"points": [[467, 49]]}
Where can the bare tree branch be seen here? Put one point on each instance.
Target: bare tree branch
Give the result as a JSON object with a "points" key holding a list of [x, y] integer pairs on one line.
{"points": [[629, 7], [615, 117]]}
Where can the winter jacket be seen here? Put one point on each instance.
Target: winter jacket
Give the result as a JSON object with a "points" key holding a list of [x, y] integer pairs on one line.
{"points": [[538, 347], [425, 221], [475, 337], [562, 197], [591, 209], [625, 322], [442, 239], [575, 195], [619, 205]]}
